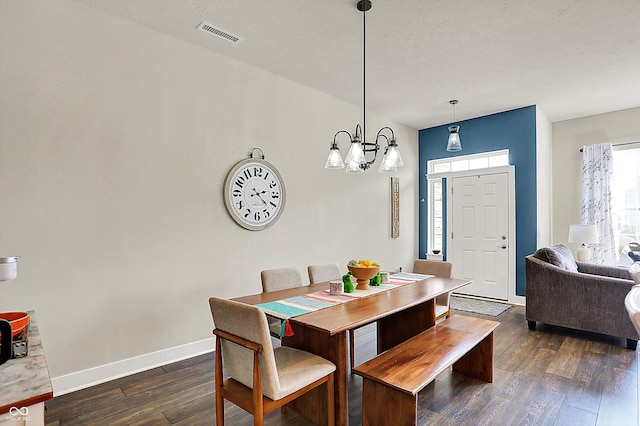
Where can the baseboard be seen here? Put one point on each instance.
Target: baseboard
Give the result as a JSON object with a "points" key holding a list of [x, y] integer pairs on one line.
{"points": [[104, 373]]}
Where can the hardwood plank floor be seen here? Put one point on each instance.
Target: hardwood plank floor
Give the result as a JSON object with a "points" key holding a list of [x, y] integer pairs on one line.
{"points": [[551, 376]]}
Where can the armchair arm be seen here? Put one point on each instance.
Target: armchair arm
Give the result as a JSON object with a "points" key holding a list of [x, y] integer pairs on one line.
{"points": [[604, 270]]}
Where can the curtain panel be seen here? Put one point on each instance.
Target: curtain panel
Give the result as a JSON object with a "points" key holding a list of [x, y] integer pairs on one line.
{"points": [[596, 209]]}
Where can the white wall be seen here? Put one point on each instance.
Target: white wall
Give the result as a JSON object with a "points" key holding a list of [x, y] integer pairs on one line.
{"points": [[114, 144], [568, 137], [544, 178]]}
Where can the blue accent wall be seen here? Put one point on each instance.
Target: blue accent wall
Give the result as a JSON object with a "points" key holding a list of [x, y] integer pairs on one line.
{"points": [[513, 130]]}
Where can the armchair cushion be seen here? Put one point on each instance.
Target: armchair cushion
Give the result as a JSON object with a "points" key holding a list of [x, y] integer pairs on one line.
{"points": [[558, 255]]}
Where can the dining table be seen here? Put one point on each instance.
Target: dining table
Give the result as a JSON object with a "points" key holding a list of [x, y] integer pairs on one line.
{"points": [[399, 314]]}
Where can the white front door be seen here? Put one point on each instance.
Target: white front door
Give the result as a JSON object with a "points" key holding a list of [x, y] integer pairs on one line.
{"points": [[478, 233]]}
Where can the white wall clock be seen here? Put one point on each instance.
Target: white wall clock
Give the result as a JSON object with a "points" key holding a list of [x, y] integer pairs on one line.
{"points": [[254, 193]]}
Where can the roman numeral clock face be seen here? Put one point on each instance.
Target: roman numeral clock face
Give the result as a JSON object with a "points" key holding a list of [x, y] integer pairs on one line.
{"points": [[254, 194]]}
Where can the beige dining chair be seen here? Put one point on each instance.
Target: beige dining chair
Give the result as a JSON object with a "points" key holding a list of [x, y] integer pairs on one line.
{"points": [[439, 269], [328, 272], [324, 272], [261, 378], [279, 279]]}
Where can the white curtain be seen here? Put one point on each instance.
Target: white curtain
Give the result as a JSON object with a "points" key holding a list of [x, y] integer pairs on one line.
{"points": [[597, 167]]}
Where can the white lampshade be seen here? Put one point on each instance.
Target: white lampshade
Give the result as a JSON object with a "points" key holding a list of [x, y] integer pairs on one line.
{"points": [[391, 160], [334, 161], [355, 154], [386, 168], [354, 168], [584, 234]]}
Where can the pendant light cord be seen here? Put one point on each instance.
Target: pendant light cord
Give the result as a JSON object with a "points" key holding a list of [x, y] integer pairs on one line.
{"points": [[453, 103], [364, 75]]}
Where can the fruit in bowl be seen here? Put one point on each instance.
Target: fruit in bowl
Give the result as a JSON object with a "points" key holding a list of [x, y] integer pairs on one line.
{"points": [[363, 263], [363, 270]]}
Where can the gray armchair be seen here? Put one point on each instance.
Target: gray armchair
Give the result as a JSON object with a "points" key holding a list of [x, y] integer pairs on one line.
{"points": [[578, 295]]}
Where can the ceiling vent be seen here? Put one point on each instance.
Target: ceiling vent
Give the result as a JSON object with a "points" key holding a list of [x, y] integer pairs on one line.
{"points": [[219, 32]]}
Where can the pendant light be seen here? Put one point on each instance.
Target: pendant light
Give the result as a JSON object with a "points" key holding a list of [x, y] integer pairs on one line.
{"points": [[454, 143], [356, 160]]}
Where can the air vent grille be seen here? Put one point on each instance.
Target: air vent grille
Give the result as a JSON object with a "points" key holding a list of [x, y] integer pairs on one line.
{"points": [[219, 32]]}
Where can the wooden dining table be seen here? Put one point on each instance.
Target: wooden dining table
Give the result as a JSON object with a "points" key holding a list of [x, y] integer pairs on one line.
{"points": [[399, 314]]}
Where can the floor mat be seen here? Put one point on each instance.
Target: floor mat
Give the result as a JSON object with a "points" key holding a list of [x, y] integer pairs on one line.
{"points": [[478, 306]]}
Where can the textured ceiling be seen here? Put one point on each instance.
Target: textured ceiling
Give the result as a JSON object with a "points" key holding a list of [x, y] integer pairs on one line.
{"points": [[572, 58]]}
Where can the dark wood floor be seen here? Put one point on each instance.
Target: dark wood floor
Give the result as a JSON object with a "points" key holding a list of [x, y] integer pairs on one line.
{"points": [[551, 376]]}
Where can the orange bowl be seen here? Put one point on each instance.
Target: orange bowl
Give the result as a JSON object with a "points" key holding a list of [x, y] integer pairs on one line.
{"points": [[363, 273], [18, 320]]}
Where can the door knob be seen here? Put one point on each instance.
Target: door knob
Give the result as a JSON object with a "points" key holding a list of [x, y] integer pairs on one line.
{"points": [[504, 246]]}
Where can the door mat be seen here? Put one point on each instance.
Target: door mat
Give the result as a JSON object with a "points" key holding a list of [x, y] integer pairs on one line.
{"points": [[478, 306]]}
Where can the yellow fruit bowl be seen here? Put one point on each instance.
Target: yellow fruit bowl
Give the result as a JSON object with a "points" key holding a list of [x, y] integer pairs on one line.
{"points": [[363, 275]]}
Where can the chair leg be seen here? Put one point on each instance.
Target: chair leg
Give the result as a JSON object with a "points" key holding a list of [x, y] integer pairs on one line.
{"points": [[258, 408], [352, 350], [331, 409], [218, 379]]}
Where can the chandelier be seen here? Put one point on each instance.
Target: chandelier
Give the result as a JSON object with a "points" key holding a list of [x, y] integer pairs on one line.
{"points": [[356, 160]]}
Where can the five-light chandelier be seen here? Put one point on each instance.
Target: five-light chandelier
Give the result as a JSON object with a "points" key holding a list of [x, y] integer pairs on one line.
{"points": [[356, 160]]}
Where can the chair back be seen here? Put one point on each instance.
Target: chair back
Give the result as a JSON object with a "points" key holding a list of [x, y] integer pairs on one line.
{"points": [[280, 279], [250, 323], [325, 272], [433, 267]]}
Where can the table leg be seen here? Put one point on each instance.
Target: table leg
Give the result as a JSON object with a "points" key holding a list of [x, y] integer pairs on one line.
{"points": [[334, 348], [403, 325]]}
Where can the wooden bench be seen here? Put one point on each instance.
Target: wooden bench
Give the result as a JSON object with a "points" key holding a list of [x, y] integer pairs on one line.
{"points": [[392, 380]]}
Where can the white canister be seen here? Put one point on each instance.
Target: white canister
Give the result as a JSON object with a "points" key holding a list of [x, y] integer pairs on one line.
{"points": [[385, 277], [8, 268], [336, 287]]}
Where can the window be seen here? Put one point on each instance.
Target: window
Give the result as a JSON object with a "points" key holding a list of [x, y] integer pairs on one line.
{"points": [[625, 188], [448, 165], [469, 162]]}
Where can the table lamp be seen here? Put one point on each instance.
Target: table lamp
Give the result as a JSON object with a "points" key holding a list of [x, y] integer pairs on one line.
{"points": [[583, 234]]}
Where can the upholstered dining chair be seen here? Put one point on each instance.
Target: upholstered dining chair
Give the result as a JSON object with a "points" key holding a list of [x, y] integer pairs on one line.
{"points": [[324, 272], [279, 279], [439, 269], [261, 378], [328, 272]]}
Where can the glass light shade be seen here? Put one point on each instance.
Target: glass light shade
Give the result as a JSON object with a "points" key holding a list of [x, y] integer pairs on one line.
{"points": [[391, 160], [334, 161], [354, 168], [454, 139], [385, 168], [393, 156], [355, 154]]}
